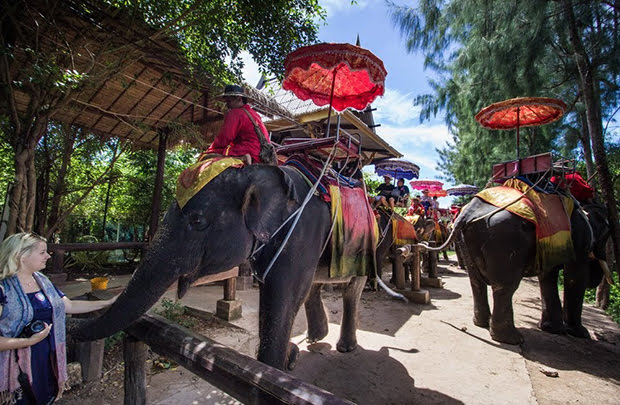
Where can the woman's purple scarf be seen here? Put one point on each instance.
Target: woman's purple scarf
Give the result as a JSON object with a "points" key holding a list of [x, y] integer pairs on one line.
{"points": [[17, 313]]}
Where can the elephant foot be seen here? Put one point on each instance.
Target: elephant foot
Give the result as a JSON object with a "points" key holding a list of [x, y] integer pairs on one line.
{"points": [[344, 346], [316, 334], [481, 320], [557, 328], [578, 331], [506, 334], [293, 355]]}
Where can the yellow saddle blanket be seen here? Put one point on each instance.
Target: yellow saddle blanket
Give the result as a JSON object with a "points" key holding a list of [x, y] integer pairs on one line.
{"points": [[549, 212], [195, 177]]}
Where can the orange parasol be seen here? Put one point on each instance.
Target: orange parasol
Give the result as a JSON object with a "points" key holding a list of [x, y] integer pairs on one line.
{"points": [[437, 192], [521, 112], [341, 75]]}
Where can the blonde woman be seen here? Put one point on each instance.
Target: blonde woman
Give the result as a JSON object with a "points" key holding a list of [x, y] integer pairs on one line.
{"points": [[33, 365]]}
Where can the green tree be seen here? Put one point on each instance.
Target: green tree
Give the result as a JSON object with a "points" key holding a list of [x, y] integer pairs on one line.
{"points": [[42, 66], [483, 52]]}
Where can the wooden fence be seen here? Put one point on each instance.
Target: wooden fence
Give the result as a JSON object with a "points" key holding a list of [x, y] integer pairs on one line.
{"points": [[242, 377]]}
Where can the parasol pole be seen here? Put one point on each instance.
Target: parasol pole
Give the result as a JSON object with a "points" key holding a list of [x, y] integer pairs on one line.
{"points": [[518, 110], [331, 100]]}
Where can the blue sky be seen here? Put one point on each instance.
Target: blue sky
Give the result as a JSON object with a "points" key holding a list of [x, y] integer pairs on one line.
{"points": [[399, 118]]}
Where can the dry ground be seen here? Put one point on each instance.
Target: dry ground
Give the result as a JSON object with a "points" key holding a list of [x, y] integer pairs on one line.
{"points": [[409, 354]]}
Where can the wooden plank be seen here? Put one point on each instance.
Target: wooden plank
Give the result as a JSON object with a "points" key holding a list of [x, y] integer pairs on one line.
{"points": [[242, 377], [211, 278], [72, 247]]}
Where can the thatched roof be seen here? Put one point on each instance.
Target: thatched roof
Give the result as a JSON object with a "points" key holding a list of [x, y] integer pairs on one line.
{"points": [[139, 83]]}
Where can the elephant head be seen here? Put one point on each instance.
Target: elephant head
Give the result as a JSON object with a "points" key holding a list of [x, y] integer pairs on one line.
{"points": [[213, 232]]}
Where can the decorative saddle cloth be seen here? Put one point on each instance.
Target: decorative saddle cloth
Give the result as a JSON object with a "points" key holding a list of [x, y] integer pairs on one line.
{"points": [[195, 177], [355, 235], [403, 230], [355, 231], [549, 212]]}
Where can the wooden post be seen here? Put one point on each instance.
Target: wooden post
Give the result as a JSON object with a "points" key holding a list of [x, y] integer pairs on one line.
{"points": [[135, 355], [230, 289], [432, 261], [90, 357], [398, 271], [415, 269], [159, 184], [58, 261]]}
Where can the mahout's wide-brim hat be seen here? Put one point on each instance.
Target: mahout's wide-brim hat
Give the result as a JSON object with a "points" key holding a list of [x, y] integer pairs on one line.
{"points": [[232, 90]]}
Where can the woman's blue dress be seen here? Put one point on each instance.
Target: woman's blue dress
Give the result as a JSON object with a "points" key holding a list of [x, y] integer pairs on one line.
{"points": [[43, 354]]}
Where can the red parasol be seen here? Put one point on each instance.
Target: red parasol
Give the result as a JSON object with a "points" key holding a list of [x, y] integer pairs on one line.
{"points": [[437, 192], [426, 185], [521, 112], [341, 75]]}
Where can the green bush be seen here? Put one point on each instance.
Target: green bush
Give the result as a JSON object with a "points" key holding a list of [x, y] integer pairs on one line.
{"points": [[175, 312], [113, 340]]}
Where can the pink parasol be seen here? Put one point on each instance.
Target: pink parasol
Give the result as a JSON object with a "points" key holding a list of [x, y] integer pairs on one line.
{"points": [[426, 185], [341, 75]]}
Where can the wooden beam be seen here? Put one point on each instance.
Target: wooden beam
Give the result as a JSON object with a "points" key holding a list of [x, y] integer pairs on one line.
{"points": [[242, 377]]}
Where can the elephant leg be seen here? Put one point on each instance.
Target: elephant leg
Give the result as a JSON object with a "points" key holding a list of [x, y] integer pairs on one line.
{"points": [[482, 312], [502, 320], [445, 255], [551, 317], [350, 314], [315, 315], [574, 290], [278, 306]]}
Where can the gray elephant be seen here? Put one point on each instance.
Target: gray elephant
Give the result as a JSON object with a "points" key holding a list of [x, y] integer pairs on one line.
{"points": [[499, 249], [219, 228]]}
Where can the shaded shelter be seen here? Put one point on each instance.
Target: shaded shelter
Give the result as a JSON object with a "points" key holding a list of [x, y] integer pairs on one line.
{"points": [[124, 79]]}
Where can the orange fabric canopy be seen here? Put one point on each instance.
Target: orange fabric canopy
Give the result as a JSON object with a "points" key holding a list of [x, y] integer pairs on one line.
{"points": [[521, 112]]}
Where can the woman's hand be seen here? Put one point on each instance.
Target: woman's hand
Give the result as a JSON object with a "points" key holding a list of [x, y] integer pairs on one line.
{"points": [[37, 337], [20, 343]]}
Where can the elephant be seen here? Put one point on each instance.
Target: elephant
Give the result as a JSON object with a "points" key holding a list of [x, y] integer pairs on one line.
{"points": [[499, 248], [220, 227]]}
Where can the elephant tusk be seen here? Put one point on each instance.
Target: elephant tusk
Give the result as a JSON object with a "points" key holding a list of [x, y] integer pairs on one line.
{"points": [[606, 271]]}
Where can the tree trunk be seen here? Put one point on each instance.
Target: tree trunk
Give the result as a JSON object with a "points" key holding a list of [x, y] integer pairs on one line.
{"points": [[595, 126], [22, 205], [59, 187], [584, 137]]}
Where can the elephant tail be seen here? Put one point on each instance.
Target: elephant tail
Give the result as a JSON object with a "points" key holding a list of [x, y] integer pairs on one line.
{"points": [[458, 224], [391, 292]]}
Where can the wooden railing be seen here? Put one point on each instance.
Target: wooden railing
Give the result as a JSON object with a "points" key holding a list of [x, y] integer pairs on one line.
{"points": [[60, 249], [240, 376]]}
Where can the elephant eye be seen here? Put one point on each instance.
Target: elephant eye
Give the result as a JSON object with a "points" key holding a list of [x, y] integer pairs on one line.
{"points": [[197, 222]]}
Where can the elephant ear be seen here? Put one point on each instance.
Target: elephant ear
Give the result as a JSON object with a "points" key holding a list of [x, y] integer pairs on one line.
{"points": [[269, 199]]}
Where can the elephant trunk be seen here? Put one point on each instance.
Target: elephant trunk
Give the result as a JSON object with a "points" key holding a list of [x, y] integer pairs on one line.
{"points": [[155, 274]]}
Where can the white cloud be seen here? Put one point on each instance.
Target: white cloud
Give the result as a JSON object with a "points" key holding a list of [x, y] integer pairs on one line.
{"points": [[396, 108]]}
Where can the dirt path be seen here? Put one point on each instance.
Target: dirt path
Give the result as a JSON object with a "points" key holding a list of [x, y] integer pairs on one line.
{"points": [[434, 354], [427, 354]]}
